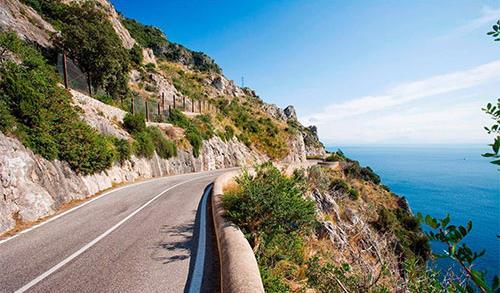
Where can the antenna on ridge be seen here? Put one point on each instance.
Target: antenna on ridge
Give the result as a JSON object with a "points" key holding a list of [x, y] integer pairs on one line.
{"points": [[242, 81]]}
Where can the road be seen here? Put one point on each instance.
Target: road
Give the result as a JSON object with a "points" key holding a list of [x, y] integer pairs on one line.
{"points": [[140, 238]]}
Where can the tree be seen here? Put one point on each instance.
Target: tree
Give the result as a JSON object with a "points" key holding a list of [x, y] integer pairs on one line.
{"points": [[88, 37]]}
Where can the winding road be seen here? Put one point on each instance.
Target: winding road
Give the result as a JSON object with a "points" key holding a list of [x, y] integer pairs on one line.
{"points": [[143, 237]]}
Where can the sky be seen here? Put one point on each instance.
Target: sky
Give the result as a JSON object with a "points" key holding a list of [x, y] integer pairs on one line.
{"points": [[364, 72]]}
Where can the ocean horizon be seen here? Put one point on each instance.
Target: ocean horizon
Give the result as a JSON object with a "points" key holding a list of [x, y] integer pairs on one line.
{"points": [[439, 180]]}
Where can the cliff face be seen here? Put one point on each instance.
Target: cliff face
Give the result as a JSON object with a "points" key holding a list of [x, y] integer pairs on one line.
{"points": [[33, 187]]}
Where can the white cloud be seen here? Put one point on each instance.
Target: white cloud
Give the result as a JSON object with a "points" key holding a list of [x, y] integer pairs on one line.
{"points": [[488, 17], [408, 92], [414, 112]]}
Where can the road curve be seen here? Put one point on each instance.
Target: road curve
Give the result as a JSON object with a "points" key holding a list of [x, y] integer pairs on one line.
{"points": [[135, 239]]}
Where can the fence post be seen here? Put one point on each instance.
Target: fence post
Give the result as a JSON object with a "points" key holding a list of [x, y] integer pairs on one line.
{"points": [[65, 70], [147, 112], [184, 103], [192, 105], [174, 101], [169, 111], [89, 83], [159, 113], [163, 101], [199, 106], [133, 102]]}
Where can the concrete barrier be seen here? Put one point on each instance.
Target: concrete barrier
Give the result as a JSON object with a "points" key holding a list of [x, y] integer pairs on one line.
{"points": [[239, 268]]}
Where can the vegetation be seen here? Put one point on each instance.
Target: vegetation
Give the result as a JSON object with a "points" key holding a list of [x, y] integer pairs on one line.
{"points": [[337, 156], [88, 37], [146, 35], [495, 32], [494, 112], [273, 215], [40, 114], [451, 236], [255, 128], [189, 83], [148, 139], [196, 130]]}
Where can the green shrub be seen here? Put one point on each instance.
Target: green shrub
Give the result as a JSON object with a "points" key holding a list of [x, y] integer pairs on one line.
{"points": [[134, 123], [147, 36], [229, 132], [7, 121], [353, 169], [353, 194], [340, 185], [337, 156], [123, 149], [191, 130], [164, 147], [267, 204], [135, 54], [144, 146], [85, 150]]}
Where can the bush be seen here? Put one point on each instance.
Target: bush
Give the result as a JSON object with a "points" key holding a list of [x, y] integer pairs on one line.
{"points": [[353, 194], [123, 149], [229, 132], [164, 147], [42, 112], [191, 130], [135, 54], [267, 204], [145, 146], [85, 150], [134, 123], [337, 156]]}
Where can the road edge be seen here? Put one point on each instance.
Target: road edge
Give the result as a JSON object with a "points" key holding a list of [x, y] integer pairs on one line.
{"points": [[239, 268]]}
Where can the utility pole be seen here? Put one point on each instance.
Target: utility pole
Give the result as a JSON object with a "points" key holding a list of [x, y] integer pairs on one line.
{"points": [[147, 112], [242, 81]]}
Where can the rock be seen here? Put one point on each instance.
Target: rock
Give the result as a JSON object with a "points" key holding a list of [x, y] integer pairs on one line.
{"points": [[274, 111], [290, 113], [148, 56], [25, 22], [105, 118]]}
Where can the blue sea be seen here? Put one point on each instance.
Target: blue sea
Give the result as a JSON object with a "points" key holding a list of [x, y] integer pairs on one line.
{"points": [[444, 179]]}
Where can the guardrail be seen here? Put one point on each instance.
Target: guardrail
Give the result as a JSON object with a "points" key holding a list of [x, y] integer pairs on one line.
{"points": [[239, 268]]}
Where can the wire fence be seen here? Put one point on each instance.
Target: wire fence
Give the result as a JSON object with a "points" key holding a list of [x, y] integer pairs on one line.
{"points": [[72, 75], [153, 110]]}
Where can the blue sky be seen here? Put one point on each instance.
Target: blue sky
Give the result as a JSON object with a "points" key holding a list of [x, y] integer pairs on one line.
{"points": [[365, 72]]}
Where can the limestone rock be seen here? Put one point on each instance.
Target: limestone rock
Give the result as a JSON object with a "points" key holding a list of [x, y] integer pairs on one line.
{"points": [[290, 113], [25, 22]]}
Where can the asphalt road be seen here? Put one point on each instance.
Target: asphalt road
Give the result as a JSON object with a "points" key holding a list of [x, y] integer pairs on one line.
{"points": [[141, 238]]}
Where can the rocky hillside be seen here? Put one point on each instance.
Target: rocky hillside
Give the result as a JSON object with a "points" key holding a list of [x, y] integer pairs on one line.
{"points": [[60, 145]]}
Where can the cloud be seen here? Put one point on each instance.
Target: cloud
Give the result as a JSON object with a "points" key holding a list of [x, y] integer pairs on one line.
{"points": [[488, 17], [406, 93], [439, 109]]}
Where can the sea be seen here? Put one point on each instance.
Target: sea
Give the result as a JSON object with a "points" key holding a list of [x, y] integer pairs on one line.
{"points": [[438, 180]]}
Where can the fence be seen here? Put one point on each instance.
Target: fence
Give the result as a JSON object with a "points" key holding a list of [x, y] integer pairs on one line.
{"points": [[153, 110], [159, 110], [73, 76]]}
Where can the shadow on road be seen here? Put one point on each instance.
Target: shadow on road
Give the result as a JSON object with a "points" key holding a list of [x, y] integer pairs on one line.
{"points": [[181, 246]]}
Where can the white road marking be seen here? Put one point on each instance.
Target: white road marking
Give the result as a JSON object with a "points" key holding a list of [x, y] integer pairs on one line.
{"points": [[94, 199], [99, 238], [197, 278]]}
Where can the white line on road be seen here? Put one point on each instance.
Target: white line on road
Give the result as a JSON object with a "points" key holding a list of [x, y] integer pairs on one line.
{"points": [[92, 200], [99, 238], [197, 278]]}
